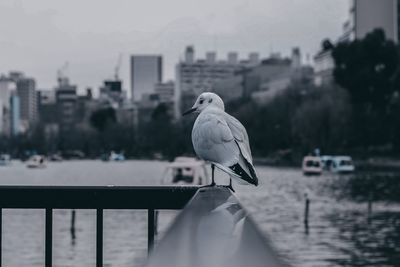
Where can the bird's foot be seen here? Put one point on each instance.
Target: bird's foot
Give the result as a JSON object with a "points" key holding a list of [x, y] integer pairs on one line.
{"points": [[209, 185], [230, 187]]}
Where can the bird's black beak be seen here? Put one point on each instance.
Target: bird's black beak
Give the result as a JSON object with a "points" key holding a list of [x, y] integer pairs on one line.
{"points": [[189, 111]]}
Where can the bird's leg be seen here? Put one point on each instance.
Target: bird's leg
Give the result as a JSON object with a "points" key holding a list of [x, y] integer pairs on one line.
{"points": [[230, 185], [212, 175]]}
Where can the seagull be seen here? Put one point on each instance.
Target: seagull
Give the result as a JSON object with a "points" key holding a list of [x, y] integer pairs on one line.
{"points": [[222, 140]]}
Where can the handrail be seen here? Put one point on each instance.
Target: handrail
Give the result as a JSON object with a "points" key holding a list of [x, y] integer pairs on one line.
{"points": [[93, 197], [214, 230]]}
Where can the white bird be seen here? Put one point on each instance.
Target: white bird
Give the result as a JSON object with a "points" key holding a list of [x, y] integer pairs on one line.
{"points": [[222, 140]]}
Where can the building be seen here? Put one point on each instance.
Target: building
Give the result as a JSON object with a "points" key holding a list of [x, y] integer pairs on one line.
{"points": [[66, 101], [26, 91], [15, 75], [166, 95], [276, 74], [263, 80], [146, 71], [195, 76], [146, 106], [165, 91], [7, 86], [47, 97], [111, 92], [368, 15], [86, 105], [15, 118], [128, 115], [324, 65], [364, 17], [48, 113]]}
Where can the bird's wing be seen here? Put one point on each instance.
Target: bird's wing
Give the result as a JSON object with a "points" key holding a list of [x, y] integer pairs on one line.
{"points": [[213, 140], [242, 140], [240, 134]]}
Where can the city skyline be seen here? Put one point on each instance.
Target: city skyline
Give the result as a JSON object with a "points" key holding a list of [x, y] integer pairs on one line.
{"points": [[92, 46]]}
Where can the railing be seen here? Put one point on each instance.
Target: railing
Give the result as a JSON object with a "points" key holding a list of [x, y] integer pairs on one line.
{"points": [[214, 230], [92, 197]]}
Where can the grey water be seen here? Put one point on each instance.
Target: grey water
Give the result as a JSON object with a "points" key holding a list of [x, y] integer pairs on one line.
{"points": [[340, 232]]}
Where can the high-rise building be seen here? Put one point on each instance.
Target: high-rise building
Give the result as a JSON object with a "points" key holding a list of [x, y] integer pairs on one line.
{"points": [[111, 92], [6, 87], [146, 71], [195, 76], [368, 15], [66, 98], [86, 105], [165, 91], [15, 123], [47, 107], [232, 57], [166, 96], [26, 91], [398, 20]]}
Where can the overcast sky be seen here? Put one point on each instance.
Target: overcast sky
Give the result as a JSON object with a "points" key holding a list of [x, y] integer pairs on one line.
{"points": [[38, 36]]}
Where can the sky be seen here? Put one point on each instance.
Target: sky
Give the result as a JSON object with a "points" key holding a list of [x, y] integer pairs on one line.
{"points": [[38, 37]]}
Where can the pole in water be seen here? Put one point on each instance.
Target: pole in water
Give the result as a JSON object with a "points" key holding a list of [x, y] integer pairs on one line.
{"points": [[369, 206], [72, 229], [306, 212]]}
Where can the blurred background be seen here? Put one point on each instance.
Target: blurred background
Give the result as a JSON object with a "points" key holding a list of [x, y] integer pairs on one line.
{"points": [[92, 94]]}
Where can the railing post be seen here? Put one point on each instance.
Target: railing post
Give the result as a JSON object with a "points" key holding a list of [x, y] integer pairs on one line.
{"points": [[150, 229], [49, 238], [99, 238], [306, 210], [1, 234], [72, 230]]}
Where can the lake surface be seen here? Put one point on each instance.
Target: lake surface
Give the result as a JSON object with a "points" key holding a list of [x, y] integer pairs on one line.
{"points": [[340, 233]]}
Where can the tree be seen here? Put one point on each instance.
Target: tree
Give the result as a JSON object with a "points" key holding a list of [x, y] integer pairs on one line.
{"points": [[368, 69], [101, 118], [322, 120]]}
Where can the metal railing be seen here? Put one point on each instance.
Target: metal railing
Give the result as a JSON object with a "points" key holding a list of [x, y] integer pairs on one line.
{"points": [[150, 198], [214, 230]]}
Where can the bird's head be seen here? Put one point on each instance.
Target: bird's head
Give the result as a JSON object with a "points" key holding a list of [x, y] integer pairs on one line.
{"points": [[204, 101]]}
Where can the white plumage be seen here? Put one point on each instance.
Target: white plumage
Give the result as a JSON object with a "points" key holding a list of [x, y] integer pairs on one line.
{"points": [[221, 139]]}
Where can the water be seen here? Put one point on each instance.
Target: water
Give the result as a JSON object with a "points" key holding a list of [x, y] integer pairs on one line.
{"points": [[339, 234]]}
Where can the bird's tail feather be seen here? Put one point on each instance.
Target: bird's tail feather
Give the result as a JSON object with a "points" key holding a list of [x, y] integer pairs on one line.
{"points": [[252, 172], [244, 171], [227, 170]]}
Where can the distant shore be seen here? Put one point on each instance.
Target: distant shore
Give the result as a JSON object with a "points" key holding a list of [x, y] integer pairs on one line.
{"points": [[369, 164]]}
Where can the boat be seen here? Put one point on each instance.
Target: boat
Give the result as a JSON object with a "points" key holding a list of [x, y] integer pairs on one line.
{"points": [[5, 160], [37, 162], [56, 157], [112, 156], [116, 156], [312, 165], [342, 164], [186, 171], [327, 162]]}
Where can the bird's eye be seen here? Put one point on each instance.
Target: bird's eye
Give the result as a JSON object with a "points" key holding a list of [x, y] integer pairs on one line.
{"points": [[201, 101], [209, 101]]}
